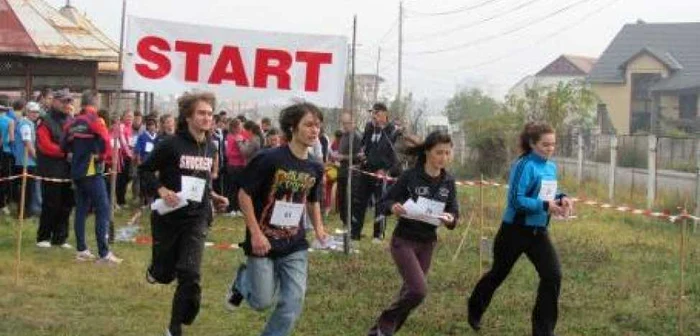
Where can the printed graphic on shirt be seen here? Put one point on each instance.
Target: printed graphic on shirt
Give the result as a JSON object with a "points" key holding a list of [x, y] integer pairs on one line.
{"points": [[200, 163], [291, 187], [422, 191]]}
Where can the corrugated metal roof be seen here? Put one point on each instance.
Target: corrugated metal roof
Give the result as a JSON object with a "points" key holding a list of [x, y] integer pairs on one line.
{"points": [[13, 37], [675, 44], [70, 36]]}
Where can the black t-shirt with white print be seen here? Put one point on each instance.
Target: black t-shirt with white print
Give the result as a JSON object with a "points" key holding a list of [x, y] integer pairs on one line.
{"points": [[274, 175]]}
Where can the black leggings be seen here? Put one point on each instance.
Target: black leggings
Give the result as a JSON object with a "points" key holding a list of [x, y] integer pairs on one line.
{"points": [[177, 253], [512, 241]]}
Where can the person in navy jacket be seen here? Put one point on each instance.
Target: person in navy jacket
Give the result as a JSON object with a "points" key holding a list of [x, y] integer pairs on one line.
{"points": [[87, 140], [533, 197]]}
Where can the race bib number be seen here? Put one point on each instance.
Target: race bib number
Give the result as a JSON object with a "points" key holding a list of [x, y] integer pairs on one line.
{"points": [[548, 190], [26, 132], [286, 214], [149, 147], [193, 188]]}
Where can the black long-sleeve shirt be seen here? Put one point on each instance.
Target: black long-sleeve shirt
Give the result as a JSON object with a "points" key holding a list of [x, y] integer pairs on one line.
{"points": [[415, 183], [174, 157], [378, 144]]}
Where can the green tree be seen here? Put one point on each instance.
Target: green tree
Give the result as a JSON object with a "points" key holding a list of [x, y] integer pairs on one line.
{"points": [[470, 105], [566, 104]]}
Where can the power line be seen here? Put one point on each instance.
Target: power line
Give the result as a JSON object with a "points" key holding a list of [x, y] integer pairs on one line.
{"points": [[473, 24], [387, 33], [505, 33], [454, 11], [515, 52]]}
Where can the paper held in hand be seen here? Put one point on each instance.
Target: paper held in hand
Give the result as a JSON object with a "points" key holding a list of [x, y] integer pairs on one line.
{"points": [[162, 208], [424, 210]]}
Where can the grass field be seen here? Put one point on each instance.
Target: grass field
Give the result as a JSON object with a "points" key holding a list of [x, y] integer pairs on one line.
{"points": [[621, 276]]}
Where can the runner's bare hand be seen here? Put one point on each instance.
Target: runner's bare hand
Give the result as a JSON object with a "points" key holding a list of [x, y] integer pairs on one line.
{"points": [[261, 246], [170, 197], [397, 209], [220, 202]]}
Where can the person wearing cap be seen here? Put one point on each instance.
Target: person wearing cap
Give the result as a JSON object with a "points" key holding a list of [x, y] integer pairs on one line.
{"points": [[7, 130], [52, 162], [378, 147], [26, 134]]}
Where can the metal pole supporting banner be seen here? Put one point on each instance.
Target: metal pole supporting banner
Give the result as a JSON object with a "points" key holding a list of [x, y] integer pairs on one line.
{"points": [[348, 191]]}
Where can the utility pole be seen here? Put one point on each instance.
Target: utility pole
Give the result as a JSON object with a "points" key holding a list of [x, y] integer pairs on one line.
{"points": [[348, 195], [398, 94], [115, 116], [376, 74]]}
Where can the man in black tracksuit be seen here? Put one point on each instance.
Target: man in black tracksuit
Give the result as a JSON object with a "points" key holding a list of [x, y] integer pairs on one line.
{"points": [[184, 162], [378, 145]]}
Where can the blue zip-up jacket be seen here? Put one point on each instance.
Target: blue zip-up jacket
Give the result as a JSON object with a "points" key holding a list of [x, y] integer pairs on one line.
{"points": [[525, 205]]}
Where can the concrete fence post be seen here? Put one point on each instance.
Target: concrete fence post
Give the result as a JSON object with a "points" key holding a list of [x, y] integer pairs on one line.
{"points": [[651, 172], [579, 163], [697, 184], [613, 166]]}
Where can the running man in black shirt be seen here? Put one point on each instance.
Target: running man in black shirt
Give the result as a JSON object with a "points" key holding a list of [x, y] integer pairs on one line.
{"points": [[278, 186], [184, 163]]}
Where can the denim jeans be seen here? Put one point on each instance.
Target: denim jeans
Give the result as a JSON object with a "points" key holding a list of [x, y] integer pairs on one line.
{"points": [[35, 203], [264, 279], [92, 190]]}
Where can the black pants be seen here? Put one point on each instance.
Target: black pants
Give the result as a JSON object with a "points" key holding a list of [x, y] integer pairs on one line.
{"points": [[231, 186], [512, 241], [7, 162], [364, 188], [177, 253], [108, 183], [220, 181], [123, 179], [57, 203], [341, 192]]}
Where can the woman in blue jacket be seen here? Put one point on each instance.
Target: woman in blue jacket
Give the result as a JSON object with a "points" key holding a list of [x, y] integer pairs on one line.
{"points": [[532, 197]]}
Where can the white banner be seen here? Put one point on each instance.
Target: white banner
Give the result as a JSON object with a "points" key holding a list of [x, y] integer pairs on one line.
{"points": [[244, 65]]}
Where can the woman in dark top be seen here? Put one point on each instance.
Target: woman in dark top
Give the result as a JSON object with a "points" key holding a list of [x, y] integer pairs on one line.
{"points": [[424, 198]]}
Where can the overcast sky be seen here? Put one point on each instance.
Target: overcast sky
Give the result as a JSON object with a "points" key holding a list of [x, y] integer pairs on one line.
{"points": [[486, 43]]}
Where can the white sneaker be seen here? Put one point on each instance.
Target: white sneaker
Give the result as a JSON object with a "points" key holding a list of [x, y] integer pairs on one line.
{"points": [[234, 214], [67, 246], [85, 256], [110, 258], [43, 244]]}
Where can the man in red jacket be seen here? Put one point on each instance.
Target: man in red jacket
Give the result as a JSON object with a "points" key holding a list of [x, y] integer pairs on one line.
{"points": [[52, 162]]}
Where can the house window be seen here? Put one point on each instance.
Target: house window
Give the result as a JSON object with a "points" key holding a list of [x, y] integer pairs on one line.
{"points": [[688, 106], [642, 105], [604, 123]]}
